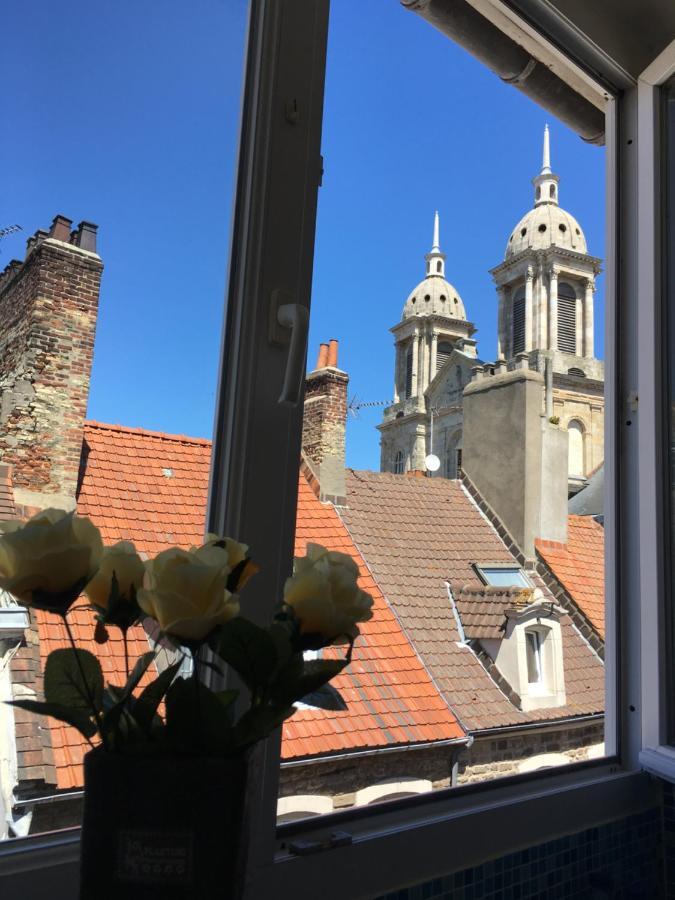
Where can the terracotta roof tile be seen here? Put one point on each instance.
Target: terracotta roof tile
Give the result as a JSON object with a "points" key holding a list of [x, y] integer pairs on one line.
{"points": [[419, 533], [151, 488], [579, 566]]}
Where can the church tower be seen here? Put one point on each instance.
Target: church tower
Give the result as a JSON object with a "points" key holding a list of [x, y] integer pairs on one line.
{"points": [[545, 292], [434, 351]]}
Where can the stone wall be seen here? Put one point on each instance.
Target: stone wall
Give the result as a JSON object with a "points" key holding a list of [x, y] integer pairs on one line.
{"points": [[497, 757], [486, 759], [48, 309]]}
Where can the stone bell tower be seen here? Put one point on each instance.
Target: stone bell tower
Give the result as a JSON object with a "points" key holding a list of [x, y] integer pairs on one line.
{"points": [[545, 288], [434, 350]]}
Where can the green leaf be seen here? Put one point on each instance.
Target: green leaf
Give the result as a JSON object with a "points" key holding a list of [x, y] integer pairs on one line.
{"points": [[249, 649], [145, 707], [73, 679], [198, 718], [260, 721], [326, 697], [316, 672], [77, 718]]}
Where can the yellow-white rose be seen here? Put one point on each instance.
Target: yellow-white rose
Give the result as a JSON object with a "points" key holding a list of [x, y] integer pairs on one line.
{"points": [[45, 561], [241, 568], [186, 592], [128, 568], [325, 597]]}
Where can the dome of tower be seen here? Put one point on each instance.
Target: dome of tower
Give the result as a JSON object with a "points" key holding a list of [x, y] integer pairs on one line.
{"points": [[434, 296], [546, 226]]}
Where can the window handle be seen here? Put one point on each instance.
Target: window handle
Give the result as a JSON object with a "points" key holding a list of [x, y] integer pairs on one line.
{"points": [[295, 317]]}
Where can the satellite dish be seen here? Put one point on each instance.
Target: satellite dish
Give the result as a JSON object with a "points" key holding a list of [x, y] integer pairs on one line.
{"points": [[432, 462]]}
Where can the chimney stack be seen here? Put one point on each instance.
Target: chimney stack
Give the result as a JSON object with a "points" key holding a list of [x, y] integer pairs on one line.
{"points": [[324, 424], [48, 310], [514, 457]]}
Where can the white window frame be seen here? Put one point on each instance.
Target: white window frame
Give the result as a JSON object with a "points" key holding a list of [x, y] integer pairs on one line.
{"points": [[253, 494], [657, 755]]}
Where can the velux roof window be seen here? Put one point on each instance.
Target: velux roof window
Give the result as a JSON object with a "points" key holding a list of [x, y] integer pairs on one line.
{"points": [[503, 576]]}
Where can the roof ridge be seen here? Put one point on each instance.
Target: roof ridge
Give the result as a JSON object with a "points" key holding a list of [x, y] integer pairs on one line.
{"points": [[144, 432]]}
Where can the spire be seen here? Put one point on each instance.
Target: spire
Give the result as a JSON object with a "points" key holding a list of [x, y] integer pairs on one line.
{"points": [[546, 160], [436, 247], [435, 259], [546, 183]]}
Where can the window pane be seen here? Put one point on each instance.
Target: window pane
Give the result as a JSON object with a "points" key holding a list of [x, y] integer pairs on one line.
{"points": [[109, 337], [441, 389]]}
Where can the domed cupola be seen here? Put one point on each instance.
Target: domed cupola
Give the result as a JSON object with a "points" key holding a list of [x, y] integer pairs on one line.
{"points": [[434, 295], [547, 225]]}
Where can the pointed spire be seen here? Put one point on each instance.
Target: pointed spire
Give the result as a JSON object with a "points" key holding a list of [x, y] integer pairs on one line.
{"points": [[435, 259], [546, 159], [546, 183], [436, 246]]}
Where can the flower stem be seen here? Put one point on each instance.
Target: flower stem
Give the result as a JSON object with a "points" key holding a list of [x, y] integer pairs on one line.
{"points": [[85, 683], [126, 651]]}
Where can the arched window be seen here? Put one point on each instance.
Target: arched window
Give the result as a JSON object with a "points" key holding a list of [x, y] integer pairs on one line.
{"points": [[302, 806], [443, 352], [567, 318], [552, 190], [398, 463], [576, 467], [518, 322], [538, 192], [439, 266], [392, 790], [408, 372], [453, 457]]}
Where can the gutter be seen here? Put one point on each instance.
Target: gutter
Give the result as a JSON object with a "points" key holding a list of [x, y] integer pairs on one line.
{"points": [[333, 757], [512, 63], [542, 726], [49, 798]]}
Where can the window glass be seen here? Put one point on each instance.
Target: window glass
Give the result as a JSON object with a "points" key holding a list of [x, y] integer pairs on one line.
{"points": [[534, 663], [503, 577], [108, 377]]}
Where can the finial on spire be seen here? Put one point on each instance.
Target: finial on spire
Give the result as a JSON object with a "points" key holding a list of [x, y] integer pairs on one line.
{"points": [[546, 160], [436, 246]]}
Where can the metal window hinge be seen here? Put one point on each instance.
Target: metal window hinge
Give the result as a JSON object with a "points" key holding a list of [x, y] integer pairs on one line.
{"points": [[304, 848]]}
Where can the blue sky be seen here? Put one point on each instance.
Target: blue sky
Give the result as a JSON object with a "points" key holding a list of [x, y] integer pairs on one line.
{"points": [[127, 117]]}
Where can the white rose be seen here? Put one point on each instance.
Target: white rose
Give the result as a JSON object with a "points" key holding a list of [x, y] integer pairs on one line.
{"points": [[128, 568], [325, 597]]}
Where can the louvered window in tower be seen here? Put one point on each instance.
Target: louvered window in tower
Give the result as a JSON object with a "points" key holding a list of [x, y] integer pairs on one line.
{"points": [[567, 319], [518, 334], [408, 372], [443, 352]]}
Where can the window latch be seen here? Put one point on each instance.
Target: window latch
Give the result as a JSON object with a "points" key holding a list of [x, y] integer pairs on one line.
{"points": [[336, 839]]}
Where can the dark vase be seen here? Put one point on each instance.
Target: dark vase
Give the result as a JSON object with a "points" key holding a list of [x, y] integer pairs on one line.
{"points": [[166, 828]]}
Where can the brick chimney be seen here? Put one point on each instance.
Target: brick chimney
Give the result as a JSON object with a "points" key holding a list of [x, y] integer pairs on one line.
{"points": [[48, 310], [324, 423]]}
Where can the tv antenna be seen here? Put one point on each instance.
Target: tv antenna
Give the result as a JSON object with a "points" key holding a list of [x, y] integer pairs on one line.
{"points": [[355, 405], [9, 229]]}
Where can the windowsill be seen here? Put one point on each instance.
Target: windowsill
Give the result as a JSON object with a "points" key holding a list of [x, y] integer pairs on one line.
{"points": [[659, 761]]}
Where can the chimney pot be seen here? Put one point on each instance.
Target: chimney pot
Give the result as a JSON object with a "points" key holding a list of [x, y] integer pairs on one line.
{"points": [[332, 354], [477, 373], [322, 358], [60, 229], [85, 236]]}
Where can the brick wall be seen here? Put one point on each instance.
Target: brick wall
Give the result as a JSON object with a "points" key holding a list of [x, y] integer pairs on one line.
{"points": [[48, 310], [324, 423]]}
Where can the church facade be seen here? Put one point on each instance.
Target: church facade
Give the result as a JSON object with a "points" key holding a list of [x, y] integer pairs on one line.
{"points": [[545, 288]]}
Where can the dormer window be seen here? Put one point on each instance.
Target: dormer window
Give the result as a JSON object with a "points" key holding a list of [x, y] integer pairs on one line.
{"points": [[535, 662]]}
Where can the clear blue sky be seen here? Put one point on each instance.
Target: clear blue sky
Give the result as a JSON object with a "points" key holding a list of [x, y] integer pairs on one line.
{"points": [[126, 114]]}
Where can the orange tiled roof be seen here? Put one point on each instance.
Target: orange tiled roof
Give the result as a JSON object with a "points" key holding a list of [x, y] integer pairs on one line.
{"points": [[151, 488], [579, 566]]}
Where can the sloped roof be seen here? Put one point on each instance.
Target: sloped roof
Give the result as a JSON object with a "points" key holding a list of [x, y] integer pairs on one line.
{"points": [[419, 533], [151, 488], [482, 610], [579, 566]]}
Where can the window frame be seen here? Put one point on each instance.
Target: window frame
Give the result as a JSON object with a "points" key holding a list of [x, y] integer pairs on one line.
{"points": [[408, 841]]}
